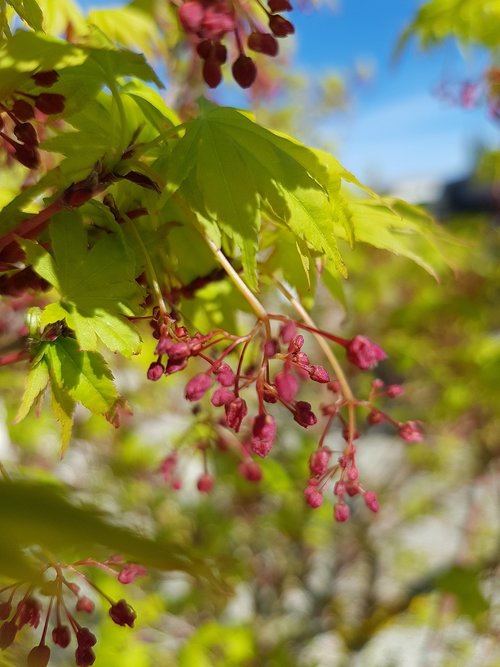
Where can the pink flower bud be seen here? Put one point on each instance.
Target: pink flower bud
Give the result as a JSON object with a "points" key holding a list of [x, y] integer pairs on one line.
{"points": [[288, 331], [375, 417], [222, 396], [197, 387], [319, 374], [411, 432], [313, 497], [303, 414], [155, 371], [191, 15], [394, 390], [263, 434], [85, 604], [175, 365], [271, 347], [339, 489], [371, 501], [130, 572], [205, 483], [363, 353], [352, 488], [318, 462], [250, 471], [341, 512], [296, 344], [334, 386], [287, 386], [235, 413], [353, 474]]}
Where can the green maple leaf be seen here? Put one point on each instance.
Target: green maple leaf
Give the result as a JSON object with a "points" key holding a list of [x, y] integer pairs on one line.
{"points": [[232, 171], [96, 285]]}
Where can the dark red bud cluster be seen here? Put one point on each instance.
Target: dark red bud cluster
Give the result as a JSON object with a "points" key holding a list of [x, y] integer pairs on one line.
{"points": [[22, 110], [30, 611], [211, 20]]}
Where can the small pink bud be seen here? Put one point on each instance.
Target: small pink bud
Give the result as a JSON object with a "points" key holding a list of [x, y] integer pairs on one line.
{"points": [[319, 374], [250, 471], [339, 489], [191, 16], [287, 386], [130, 572], [394, 390], [313, 497], [271, 347], [263, 434], [411, 432], [375, 417], [205, 483], [371, 501], [364, 353], [353, 474], [341, 512], [235, 413], [197, 387], [222, 396], [85, 604], [155, 371], [334, 386], [318, 462], [352, 488], [296, 344], [288, 331]]}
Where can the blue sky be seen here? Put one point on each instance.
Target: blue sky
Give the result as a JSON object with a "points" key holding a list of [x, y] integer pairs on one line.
{"points": [[397, 129]]}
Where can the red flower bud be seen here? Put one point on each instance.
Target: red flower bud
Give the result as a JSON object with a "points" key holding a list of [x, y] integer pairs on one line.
{"points": [[318, 462], [363, 353], [244, 71], [341, 512], [313, 497], [280, 26], [50, 103], [197, 387], [263, 434], [411, 432], [319, 374], [205, 483], [250, 471], [263, 42], [155, 371], [39, 656], [235, 413], [46, 79], [371, 501], [287, 386], [122, 613], [303, 414], [61, 635], [130, 572]]}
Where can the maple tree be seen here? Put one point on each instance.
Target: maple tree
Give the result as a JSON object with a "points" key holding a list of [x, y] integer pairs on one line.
{"points": [[181, 239]]}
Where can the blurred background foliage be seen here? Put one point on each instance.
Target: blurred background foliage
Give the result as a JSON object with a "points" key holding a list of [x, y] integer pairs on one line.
{"points": [[415, 585]]}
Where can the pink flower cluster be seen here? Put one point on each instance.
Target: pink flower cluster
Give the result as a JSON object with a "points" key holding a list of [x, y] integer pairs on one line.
{"points": [[277, 378]]}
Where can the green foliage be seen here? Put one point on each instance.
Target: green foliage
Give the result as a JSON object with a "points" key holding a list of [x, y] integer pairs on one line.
{"points": [[469, 21], [35, 514]]}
